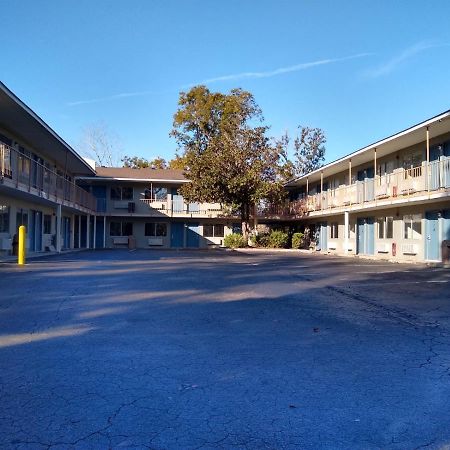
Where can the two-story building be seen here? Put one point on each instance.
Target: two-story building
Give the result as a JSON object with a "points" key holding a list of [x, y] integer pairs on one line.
{"points": [[37, 183], [390, 199], [143, 208]]}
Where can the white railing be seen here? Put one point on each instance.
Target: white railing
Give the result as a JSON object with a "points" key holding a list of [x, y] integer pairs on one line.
{"points": [[20, 171], [177, 207], [402, 183]]}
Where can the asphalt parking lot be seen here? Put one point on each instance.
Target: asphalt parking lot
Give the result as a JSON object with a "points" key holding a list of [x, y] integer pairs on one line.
{"points": [[206, 350]]}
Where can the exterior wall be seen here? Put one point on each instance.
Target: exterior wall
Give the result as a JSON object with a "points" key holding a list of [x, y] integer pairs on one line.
{"points": [[143, 241], [412, 249], [165, 206], [40, 240]]}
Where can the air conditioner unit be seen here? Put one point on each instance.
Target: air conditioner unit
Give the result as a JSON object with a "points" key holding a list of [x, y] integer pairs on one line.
{"points": [[382, 248], [409, 249], [155, 241], [5, 243]]}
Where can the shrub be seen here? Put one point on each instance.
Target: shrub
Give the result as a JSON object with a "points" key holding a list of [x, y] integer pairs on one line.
{"points": [[278, 239], [234, 240], [297, 240], [261, 240]]}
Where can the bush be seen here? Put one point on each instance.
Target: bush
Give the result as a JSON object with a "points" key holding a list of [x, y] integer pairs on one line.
{"points": [[297, 240], [278, 239], [234, 240], [261, 240]]}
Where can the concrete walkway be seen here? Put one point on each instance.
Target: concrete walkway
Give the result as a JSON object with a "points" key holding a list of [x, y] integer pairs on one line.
{"points": [[190, 350]]}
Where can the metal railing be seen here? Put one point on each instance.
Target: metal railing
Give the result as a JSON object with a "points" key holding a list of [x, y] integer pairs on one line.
{"points": [[402, 183], [21, 171], [180, 208]]}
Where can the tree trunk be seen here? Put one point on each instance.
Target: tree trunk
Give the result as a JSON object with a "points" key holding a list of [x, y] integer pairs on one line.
{"points": [[245, 221]]}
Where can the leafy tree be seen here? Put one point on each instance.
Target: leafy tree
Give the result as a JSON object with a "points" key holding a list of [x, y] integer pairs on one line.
{"points": [[177, 163], [136, 162], [229, 157], [309, 150]]}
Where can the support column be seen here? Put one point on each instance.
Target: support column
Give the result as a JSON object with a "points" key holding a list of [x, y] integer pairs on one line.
{"points": [[321, 189], [72, 231], [79, 231], [88, 230], [58, 228], [375, 162], [104, 231], [427, 181], [307, 186], [349, 176], [346, 231], [95, 232]]}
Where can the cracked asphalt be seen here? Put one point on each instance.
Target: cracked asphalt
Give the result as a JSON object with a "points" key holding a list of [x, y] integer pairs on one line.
{"points": [[223, 350]]}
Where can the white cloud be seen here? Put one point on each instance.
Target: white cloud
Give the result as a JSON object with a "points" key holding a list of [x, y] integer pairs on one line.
{"points": [[392, 64], [279, 71], [232, 77]]}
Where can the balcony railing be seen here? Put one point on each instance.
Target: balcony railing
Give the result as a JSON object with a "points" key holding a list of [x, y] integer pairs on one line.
{"points": [[21, 171], [179, 208], [403, 183]]}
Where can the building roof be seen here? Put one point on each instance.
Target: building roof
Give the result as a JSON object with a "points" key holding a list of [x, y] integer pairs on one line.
{"points": [[415, 134], [22, 122], [147, 174]]}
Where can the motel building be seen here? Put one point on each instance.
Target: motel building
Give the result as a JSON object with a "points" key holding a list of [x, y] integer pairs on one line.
{"points": [[142, 208], [390, 200], [37, 183]]}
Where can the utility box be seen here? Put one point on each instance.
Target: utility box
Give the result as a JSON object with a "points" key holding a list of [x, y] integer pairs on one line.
{"points": [[131, 242], [446, 251]]}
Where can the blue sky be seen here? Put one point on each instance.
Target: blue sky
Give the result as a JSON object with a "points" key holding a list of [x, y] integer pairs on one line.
{"points": [[361, 70]]}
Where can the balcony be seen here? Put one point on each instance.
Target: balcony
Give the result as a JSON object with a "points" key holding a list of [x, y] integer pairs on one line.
{"points": [[402, 185], [176, 208], [26, 174]]}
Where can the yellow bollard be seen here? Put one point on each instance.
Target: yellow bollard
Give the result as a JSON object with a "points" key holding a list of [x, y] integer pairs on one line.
{"points": [[22, 241]]}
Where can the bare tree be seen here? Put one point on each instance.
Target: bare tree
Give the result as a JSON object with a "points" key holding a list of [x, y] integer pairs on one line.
{"points": [[101, 144]]}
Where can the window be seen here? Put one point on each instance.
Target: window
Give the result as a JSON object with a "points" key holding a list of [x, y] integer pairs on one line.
{"points": [[413, 226], [160, 193], [121, 193], [4, 219], [47, 224], [210, 230], [334, 230], [412, 163], [121, 229], [22, 218], [385, 227], [156, 229]]}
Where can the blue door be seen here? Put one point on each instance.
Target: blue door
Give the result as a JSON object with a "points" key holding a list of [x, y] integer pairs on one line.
{"points": [[360, 238], [446, 224], [365, 239], [32, 231], [193, 235], [37, 231], [322, 236], [432, 236], [99, 233], [434, 175], [176, 234], [370, 236], [99, 192], [177, 201]]}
